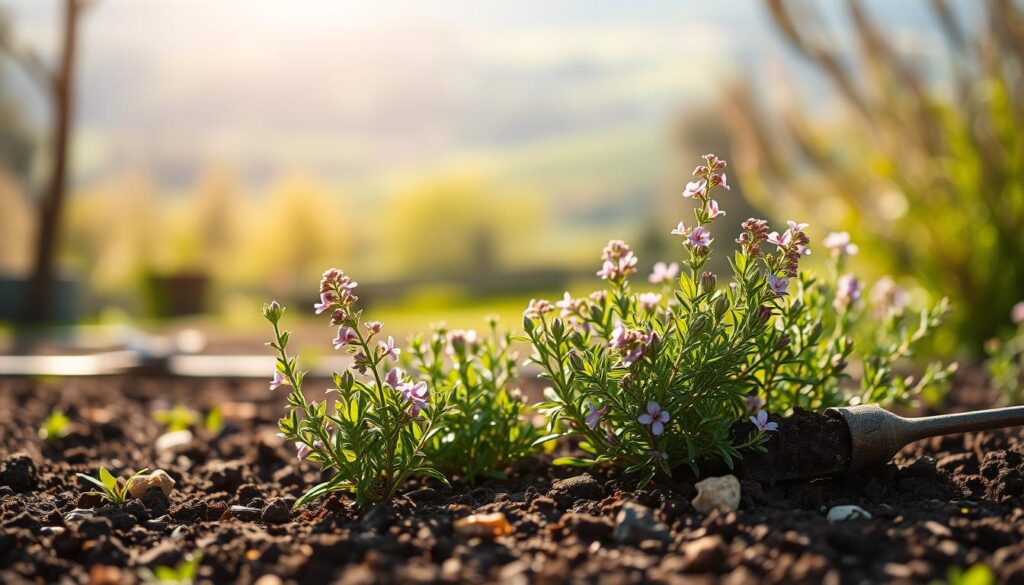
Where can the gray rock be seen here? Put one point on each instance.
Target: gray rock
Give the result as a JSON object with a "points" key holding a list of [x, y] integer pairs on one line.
{"points": [[246, 513], [843, 513], [78, 514], [636, 523]]}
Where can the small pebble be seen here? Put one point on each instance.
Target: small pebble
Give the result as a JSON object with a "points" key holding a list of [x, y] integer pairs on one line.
{"points": [[717, 493], [635, 524], [78, 514], [173, 440], [483, 525], [246, 513], [843, 513], [51, 530], [153, 480]]}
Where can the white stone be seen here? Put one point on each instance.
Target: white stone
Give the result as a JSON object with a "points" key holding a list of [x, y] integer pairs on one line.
{"points": [[721, 493], [156, 479], [173, 440], [843, 513]]}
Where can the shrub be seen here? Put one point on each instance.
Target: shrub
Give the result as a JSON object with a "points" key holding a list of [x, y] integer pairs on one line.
{"points": [[658, 379], [925, 169], [488, 427], [1006, 360], [381, 421]]}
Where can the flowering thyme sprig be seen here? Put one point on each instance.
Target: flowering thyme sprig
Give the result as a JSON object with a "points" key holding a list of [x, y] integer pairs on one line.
{"points": [[652, 381], [489, 427], [375, 436]]}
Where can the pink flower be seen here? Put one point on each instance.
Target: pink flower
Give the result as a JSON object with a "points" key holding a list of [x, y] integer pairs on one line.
{"points": [[593, 417], [417, 394], [780, 241], [680, 230], [1017, 313], [778, 285], [537, 308], [839, 244], [761, 422], [394, 377], [699, 237], [278, 380], [648, 301], [655, 417], [695, 188], [374, 326], [714, 163], [663, 272], [360, 362], [754, 402], [713, 210], [886, 295], [388, 349], [847, 291], [617, 269], [326, 302], [460, 340], [302, 450], [722, 183], [796, 227], [632, 343], [346, 335], [569, 305]]}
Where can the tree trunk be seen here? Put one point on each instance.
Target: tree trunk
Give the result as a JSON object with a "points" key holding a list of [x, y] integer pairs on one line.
{"points": [[38, 304]]}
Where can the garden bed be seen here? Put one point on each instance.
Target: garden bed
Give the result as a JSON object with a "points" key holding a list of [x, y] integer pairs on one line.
{"points": [[947, 502]]}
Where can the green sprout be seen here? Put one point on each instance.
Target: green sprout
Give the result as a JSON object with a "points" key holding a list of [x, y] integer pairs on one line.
{"points": [[214, 420], [178, 418], [110, 487], [55, 426], [183, 573]]}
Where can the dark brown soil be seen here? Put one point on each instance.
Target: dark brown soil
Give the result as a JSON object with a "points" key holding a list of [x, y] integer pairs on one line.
{"points": [[942, 503], [806, 445]]}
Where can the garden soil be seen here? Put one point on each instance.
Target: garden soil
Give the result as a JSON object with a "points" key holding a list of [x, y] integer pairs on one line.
{"points": [[943, 503]]}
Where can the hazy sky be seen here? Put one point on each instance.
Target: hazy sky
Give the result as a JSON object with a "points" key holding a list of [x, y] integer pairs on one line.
{"points": [[351, 87]]}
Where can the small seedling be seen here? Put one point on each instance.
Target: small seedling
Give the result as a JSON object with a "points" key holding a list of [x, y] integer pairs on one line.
{"points": [[214, 420], [55, 427], [110, 488], [184, 573], [178, 418]]}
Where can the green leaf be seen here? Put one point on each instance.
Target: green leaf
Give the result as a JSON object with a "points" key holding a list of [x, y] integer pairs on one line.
{"points": [[545, 439], [93, 481], [109, 481], [574, 462]]}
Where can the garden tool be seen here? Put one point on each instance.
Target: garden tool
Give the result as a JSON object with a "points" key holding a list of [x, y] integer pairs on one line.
{"points": [[877, 434]]}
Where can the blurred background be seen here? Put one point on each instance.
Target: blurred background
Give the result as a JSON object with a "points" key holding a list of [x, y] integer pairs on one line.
{"points": [[178, 163]]}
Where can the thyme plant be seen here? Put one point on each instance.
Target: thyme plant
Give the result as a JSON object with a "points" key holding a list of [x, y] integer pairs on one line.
{"points": [[1006, 360], [655, 380], [375, 434], [489, 426]]}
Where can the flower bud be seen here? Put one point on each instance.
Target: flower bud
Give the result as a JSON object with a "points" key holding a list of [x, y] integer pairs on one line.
{"points": [[528, 325], [575, 360], [708, 282], [272, 312], [698, 324], [557, 327], [721, 306]]}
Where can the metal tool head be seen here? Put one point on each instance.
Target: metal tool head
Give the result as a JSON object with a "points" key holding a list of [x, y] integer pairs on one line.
{"points": [[875, 434]]}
